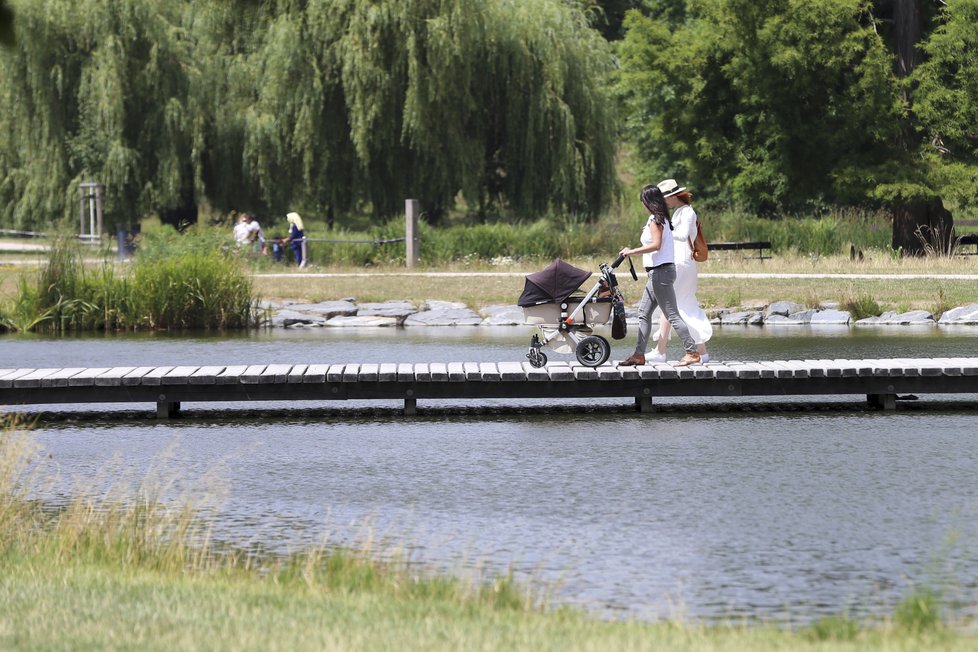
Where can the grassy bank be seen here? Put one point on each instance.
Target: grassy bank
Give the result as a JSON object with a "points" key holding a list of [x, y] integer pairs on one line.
{"points": [[505, 282], [120, 569]]}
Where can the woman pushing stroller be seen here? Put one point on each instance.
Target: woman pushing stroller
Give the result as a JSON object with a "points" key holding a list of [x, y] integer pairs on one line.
{"points": [[658, 257]]}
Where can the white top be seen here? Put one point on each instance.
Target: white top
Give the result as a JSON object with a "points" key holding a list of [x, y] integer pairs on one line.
{"points": [[255, 228], [241, 232], [665, 254], [684, 228]]}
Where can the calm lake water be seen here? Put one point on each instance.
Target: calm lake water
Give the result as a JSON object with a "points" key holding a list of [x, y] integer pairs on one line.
{"points": [[711, 509]]}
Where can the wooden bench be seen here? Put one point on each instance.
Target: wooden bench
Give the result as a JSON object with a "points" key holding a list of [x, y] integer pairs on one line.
{"points": [[759, 247], [969, 239]]}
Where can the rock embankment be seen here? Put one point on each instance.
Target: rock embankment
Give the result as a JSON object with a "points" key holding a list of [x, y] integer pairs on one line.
{"points": [[348, 313]]}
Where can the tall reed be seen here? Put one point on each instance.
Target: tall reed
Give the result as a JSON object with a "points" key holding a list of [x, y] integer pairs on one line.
{"points": [[195, 288]]}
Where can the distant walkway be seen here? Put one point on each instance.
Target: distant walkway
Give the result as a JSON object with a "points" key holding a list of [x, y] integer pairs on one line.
{"points": [[949, 277]]}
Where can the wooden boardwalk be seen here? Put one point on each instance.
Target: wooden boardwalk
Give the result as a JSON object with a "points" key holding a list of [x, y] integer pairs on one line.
{"points": [[879, 380]]}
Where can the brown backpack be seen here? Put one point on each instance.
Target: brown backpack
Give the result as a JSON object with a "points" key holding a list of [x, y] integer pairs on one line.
{"points": [[698, 245]]}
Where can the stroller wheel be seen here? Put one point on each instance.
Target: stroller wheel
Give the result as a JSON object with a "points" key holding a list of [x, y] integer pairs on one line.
{"points": [[593, 351], [537, 357]]}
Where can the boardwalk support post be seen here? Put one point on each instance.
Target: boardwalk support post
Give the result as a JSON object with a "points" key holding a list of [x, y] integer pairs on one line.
{"points": [[644, 403], [167, 409], [410, 407], [882, 401]]}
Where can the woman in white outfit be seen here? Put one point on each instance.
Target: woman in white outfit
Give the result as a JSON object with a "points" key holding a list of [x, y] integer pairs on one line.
{"points": [[685, 225]]}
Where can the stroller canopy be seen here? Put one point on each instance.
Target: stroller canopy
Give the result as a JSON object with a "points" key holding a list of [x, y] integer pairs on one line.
{"points": [[555, 283]]}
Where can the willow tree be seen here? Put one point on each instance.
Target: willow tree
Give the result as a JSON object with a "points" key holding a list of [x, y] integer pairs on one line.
{"points": [[501, 101], [328, 105], [95, 90]]}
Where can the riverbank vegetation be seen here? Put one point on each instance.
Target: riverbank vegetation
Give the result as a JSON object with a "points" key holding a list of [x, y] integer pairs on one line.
{"points": [[137, 567], [203, 288]]}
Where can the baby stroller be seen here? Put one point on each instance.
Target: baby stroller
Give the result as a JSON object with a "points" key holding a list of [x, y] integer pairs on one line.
{"points": [[566, 319]]}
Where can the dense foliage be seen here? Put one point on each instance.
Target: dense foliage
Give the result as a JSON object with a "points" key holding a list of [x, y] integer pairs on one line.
{"points": [[784, 104], [320, 106]]}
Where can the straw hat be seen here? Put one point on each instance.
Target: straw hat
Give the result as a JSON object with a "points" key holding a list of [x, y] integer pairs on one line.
{"points": [[669, 187]]}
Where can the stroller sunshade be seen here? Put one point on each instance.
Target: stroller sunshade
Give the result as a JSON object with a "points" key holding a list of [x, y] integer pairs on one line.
{"points": [[555, 283]]}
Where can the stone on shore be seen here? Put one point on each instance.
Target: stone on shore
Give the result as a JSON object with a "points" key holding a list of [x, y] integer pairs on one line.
{"points": [[890, 318], [831, 317], [784, 308], [325, 309], [961, 315], [444, 317], [503, 315], [286, 318]]}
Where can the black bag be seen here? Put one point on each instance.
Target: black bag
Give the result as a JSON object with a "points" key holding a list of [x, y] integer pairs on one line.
{"points": [[619, 329]]}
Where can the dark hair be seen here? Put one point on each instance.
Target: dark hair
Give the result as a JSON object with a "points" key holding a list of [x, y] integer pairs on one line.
{"points": [[685, 197], [655, 203]]}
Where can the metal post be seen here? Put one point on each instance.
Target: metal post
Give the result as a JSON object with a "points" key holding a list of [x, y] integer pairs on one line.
{"points": [[98, 209], [411, 214]]}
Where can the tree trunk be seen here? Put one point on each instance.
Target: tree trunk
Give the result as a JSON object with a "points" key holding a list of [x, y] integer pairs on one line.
{"points": [[922, 228]]}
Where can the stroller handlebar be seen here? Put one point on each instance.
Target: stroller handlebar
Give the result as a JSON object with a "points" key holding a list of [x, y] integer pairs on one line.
{"points": [[631, 267]]}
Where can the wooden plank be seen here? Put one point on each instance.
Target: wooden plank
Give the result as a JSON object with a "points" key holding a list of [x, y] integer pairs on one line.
{"points": [[472, 371], [584, 373], [297, 372], [610, 372], [34, 378], [351, 373], [8, 379], [659, 370], [179, 375], [847, 368], [232, 375], [369, 373], [798, 369], [135, 376], [969, 366], [456, 372], [421, 372], [630, 373], [60, 377], [439, 372], [252, 375], [275, 373], [154, 377], [86, 378], [315, 373], [489, 371], [113, 377], [511, 371], [405, 373], [720, 371], [335, 373], [387, 373], [743, 370], [533, 373], [560, 373], [206, 375]]}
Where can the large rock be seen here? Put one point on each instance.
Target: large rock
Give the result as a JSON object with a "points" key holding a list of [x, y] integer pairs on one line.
{"points": [[503, 316], [890, 318], [737, 318], [831, 317], [961, 315], [325, 309], [398, 310], [448, 317], [784, 308], [286, 318]]}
